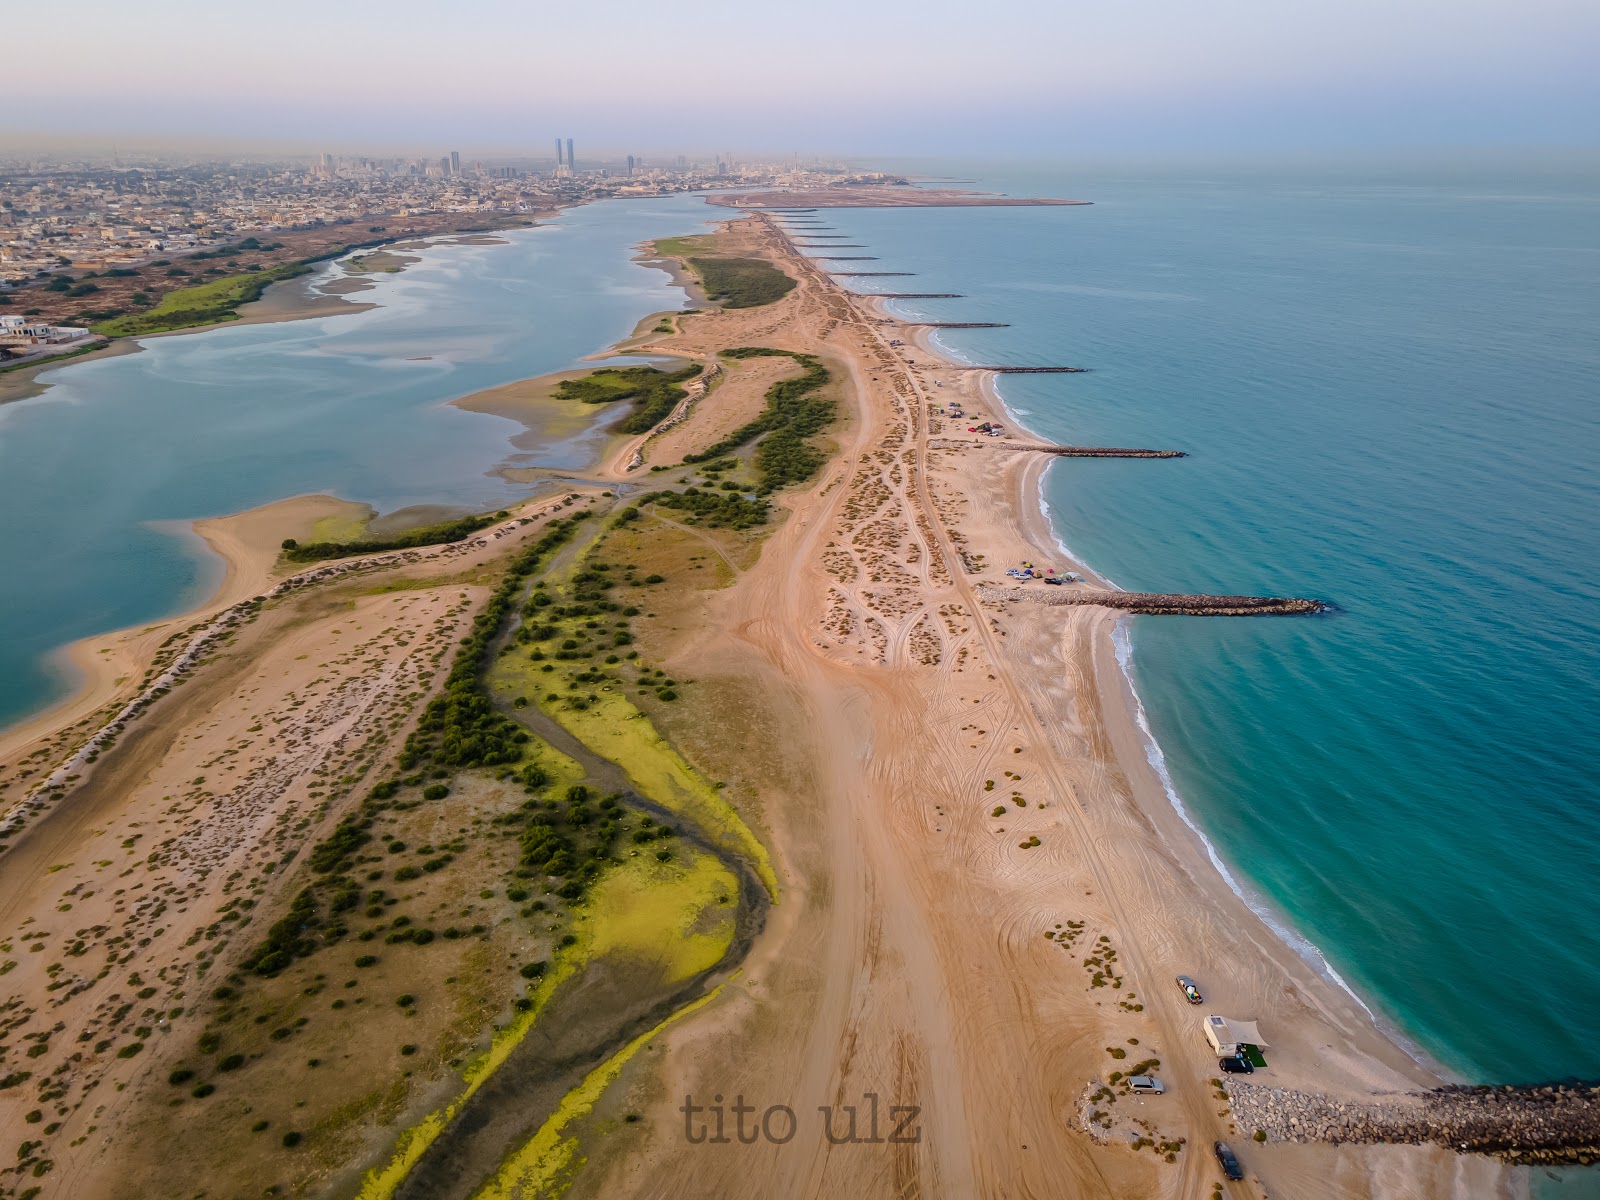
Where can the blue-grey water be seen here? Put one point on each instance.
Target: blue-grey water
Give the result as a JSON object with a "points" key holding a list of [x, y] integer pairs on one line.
{"points": [[1388, 382], [211, 423]]}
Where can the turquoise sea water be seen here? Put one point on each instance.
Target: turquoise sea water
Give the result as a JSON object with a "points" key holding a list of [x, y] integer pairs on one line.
{"points": [[210, 423], [1388, 382]]}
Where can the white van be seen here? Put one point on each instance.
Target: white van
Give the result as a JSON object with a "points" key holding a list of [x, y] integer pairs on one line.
{"points": [[1146, 1084]]}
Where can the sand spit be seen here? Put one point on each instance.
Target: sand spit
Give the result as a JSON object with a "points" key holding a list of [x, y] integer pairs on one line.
{"points": [[987, 894], [883, 197]]}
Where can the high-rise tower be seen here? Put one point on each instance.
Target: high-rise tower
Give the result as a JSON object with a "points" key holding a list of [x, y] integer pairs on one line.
{"points": [[558, 152], [455, 162], [571, 166]]}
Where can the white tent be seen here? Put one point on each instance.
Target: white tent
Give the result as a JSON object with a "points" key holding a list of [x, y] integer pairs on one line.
{"points": [[1227, 1034]]}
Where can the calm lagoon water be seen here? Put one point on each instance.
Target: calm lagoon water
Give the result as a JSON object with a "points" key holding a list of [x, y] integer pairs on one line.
{"points": [[1388, 382], [211, 423]]}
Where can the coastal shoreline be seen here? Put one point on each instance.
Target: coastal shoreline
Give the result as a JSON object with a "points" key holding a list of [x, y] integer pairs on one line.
{"points": [[243, 547], [1140, 753], [1372, 1055], [104, 668]]}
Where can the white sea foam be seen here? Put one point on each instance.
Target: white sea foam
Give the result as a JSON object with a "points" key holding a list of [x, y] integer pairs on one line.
{"points": [[1123, 644]]}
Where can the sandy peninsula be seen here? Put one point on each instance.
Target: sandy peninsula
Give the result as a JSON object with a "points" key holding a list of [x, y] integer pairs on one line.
{"points": [[982, 895]]}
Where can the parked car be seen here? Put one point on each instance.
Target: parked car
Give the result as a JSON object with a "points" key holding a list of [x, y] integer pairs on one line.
{"points": [[1237, 1064], [1146, 1084], [1191, 992], [1229, 1160]]}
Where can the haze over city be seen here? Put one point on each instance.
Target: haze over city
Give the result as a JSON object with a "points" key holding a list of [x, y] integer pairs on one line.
{"points": [[893, 77]]}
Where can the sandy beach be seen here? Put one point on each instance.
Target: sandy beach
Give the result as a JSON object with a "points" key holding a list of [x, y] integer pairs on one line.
{"points": [[911, 959], [105, 668]]}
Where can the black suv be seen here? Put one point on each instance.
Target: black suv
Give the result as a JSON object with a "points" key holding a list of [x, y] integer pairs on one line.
{"points": [[1229, 1160], [1237, 1065]]}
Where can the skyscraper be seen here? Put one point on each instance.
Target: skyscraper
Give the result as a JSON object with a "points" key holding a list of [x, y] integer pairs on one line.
{"points": [[571, 166], [558, 152], [630, 164], [455, 162]]}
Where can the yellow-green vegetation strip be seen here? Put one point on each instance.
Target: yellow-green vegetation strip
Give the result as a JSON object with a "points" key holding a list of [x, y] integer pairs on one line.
{"points": [[637, 909], [341, 527], [614, 729], [545, 1166], [680, 247], [678, 914]]}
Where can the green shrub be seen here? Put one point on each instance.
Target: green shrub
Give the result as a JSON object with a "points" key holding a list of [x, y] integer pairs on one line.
{"points": [[742, 282], [654, 393]]}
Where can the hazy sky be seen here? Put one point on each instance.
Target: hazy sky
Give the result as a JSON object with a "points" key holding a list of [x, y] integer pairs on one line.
{"points": [[844, 76]]}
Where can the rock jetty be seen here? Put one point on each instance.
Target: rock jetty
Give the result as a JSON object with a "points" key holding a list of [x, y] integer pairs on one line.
{"points": [[1157, 603], [1061, 451], [1540, 1124]]}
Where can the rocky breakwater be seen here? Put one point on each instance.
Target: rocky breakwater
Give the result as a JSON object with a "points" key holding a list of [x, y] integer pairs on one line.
{"points": [[1061, 451], [1551, 1123], [1156, 603]]}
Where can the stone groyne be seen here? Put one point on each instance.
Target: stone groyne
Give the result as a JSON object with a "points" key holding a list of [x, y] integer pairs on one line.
{"points": [[1156, 603], [1552, 1123], [908, 295], [1060, 451], [958, 324], [1029, 370]]}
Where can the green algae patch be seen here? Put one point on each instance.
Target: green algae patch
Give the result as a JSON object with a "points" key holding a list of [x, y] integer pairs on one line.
{"points": [[614, 729], [677, 913], [342, 527], [545, 1166]]}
